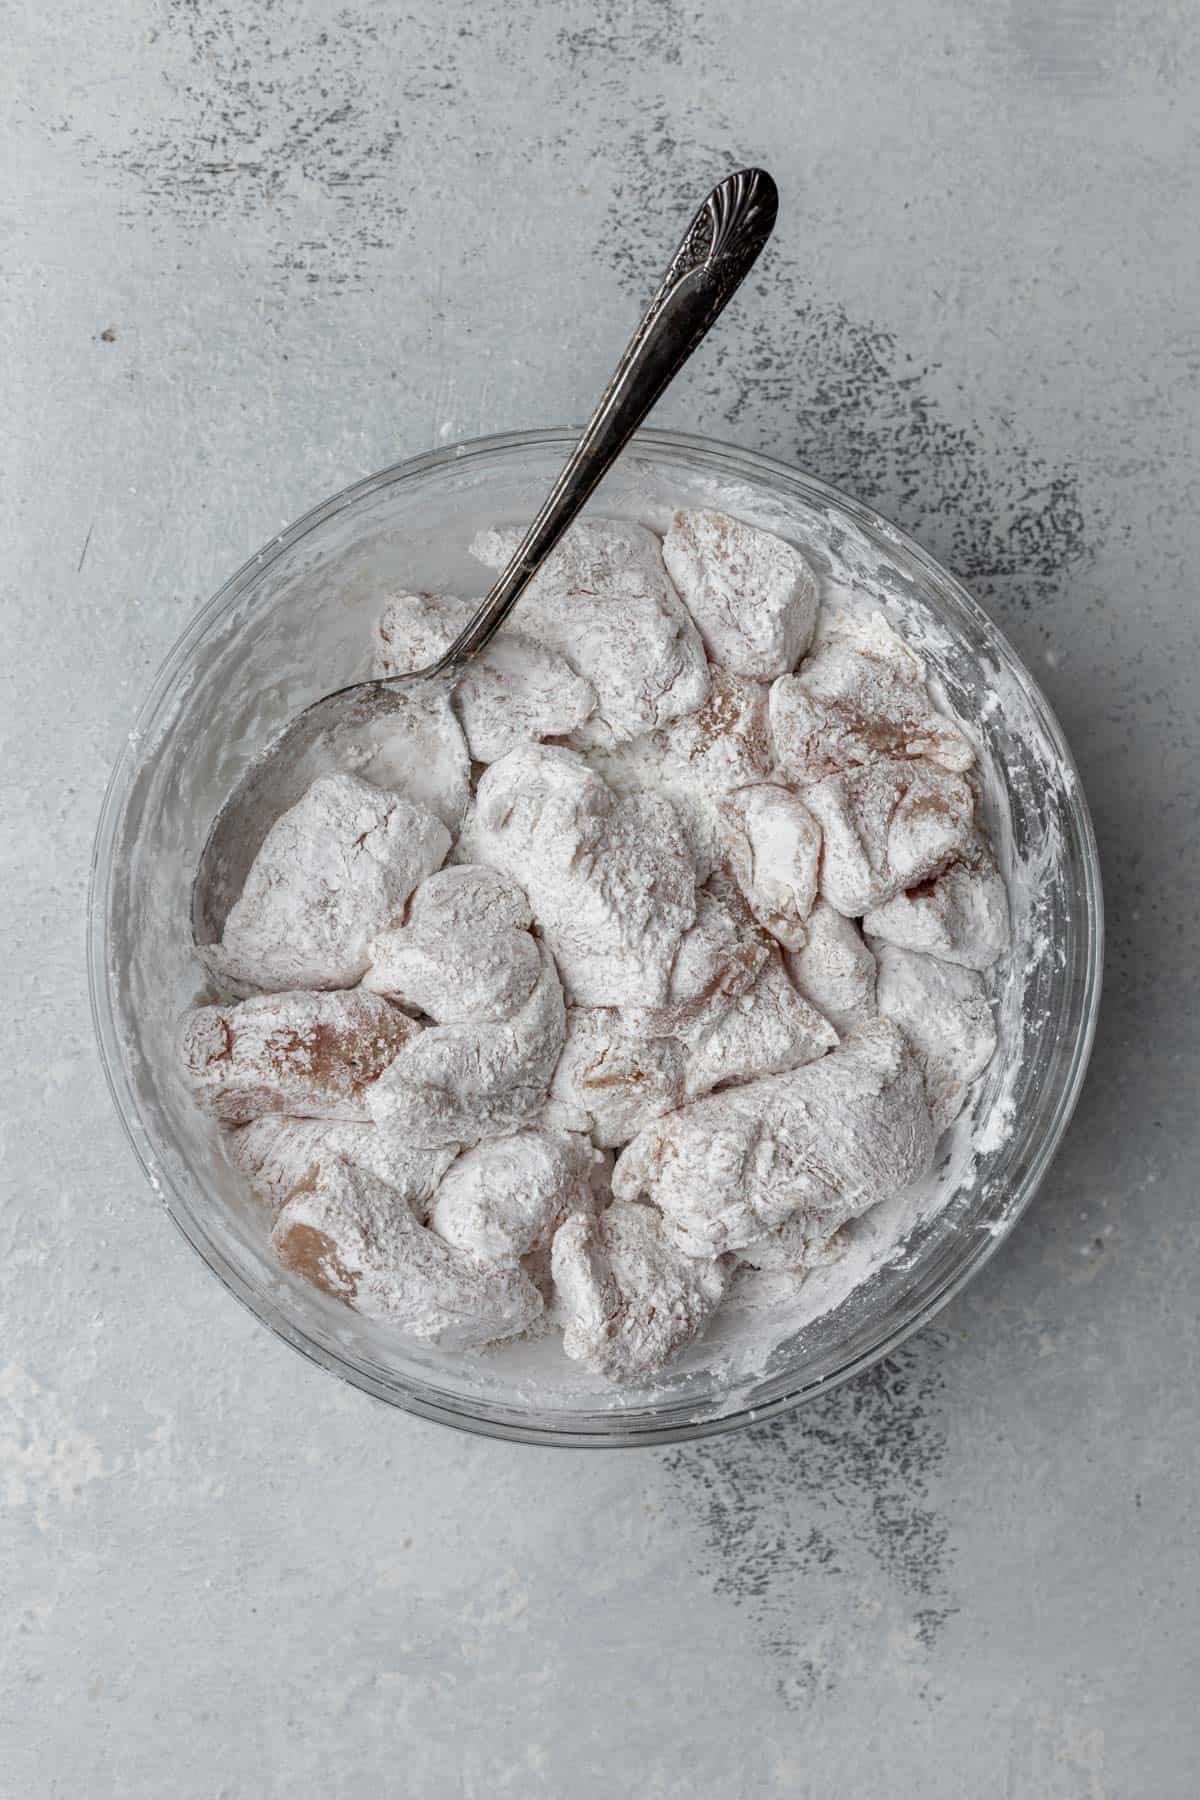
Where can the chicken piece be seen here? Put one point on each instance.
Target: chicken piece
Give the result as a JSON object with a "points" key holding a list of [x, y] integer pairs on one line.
{"points": [[943, 1011], [332, 871], [610, 881], [461, 1083], [775, 853], [752, 595], [764, 1031], [354, 1237], [514, 691], [720, 956], [416, 748], [698, 759], [630, 1299], [593, 1197], [604, 602], [960, 916], [859, 698], [504, 1199], [315, 1056], [612, 1079], [464, 954], [731, 1005], [277, 1154], [835, 971], [887, 827], [468, 898], [825, 1140], [732, 1014]]}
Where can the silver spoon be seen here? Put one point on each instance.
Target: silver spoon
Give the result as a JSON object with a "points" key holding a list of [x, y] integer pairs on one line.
{"points": [[717, 251]]}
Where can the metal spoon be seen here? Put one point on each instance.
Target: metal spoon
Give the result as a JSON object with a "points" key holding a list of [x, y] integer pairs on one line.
{"points": [[716, 253]]}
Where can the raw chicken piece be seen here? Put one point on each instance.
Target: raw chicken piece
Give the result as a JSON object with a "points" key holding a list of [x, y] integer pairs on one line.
{"points": [[960, 916], [504, 1199], [276, 1154], [312, 1055], [859, 698], [513, 692], [612, 1079], [630, 1299], [468, 898], [730, 1003], [720, 956], [593, 1197], [610, 881], [826, 1140], [605, 603], [332, 871], [464, 953], [698, 759], [460, 1083], [753, 597], [764, 1031], [943, 1011], [417, 748], [835, 971], [352, 1236], [886, 827], [775, 853]]}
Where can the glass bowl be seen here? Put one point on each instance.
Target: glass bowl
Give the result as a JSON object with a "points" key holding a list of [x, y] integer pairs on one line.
{"points": [[296, 622]]}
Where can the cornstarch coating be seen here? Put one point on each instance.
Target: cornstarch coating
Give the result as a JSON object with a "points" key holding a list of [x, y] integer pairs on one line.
{"points": [[620, 987]]}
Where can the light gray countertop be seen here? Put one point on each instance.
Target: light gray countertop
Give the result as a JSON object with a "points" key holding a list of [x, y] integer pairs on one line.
{"points": [[255, 251]]}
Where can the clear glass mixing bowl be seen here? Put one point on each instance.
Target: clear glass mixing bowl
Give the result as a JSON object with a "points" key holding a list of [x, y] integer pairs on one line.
{"points": [[295, 622]]}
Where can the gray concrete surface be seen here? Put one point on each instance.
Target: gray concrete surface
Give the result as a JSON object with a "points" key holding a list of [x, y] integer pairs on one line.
{"points": [[252, 252]]}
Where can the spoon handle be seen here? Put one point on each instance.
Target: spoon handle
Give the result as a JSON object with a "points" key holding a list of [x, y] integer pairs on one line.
{"points": [[717, 252]]}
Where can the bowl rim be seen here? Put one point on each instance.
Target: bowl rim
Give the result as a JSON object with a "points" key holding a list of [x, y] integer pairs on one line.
{"points": [[617, 1433]]}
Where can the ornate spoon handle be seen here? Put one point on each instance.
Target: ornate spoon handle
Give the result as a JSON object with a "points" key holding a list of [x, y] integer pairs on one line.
{"points": [[717, 252]]}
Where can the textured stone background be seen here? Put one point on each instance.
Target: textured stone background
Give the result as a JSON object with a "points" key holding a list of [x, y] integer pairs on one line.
{"points": [[254, 251]]}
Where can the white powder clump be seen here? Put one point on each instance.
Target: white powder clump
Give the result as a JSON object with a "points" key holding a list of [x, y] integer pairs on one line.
{"points": [[611, 1078], [611, 881], [888, 826], [630, 1299], [351, 1235], [417, 749], [464, 953], [606, 604], [515, 691], [860, 698], [943, 1011], [767, 1029], [277, 1154], [960, 916], [622, 1067], [698, 759], [835, 970], [334, 870], [775, 853], [831, 1138], [502, 1200], [801, 1243], [753, 596], [481, 1078]]}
